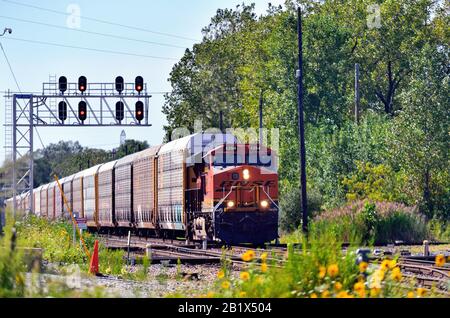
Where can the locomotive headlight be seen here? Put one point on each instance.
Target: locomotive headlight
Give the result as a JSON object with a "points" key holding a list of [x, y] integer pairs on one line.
{"points": [[230, 204], [246, 174], [264, 204]]}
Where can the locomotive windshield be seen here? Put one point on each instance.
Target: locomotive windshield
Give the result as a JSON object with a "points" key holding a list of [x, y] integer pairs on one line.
{"points": [[235, 158]]}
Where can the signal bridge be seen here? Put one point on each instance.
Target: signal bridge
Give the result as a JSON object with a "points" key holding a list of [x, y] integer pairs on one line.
{"points": [[78, 104]]}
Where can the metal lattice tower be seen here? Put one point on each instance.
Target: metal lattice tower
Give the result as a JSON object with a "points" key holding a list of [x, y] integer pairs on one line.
{"points": [[31, 110], [8, 126]]}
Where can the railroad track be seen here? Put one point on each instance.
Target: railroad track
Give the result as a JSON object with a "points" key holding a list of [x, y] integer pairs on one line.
{"points": [[178, 251], [423, 272]]}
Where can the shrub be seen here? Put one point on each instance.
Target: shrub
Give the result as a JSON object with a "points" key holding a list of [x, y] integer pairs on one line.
{"points": [[290, 208], [379, 223]]}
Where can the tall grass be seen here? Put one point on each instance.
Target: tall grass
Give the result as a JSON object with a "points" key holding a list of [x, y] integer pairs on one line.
{"points": [[56, 240], [14, 280], [374, 223]]}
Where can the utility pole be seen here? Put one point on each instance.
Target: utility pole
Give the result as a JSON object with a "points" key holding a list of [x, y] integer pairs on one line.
{"points": [[357, 96], [221, 121], [301, 125], [261, 102]]}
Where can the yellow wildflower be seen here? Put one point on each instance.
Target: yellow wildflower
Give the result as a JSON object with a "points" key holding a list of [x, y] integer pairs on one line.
{"points": [[263, 267], [363, 267], [226, 284], [322, 272], [248, 256], [210, 295], [108, 270], [333, 270], [221, 274], [392, 264], [245, 275], [410, 294], [313, 295], [396, 274], [338, 286], [374, 292], [260, 280], [325, 294], [421, 292], [242, 294], [385, 265], [440, 260], [264, 256], [343, 294], [360, 289]]}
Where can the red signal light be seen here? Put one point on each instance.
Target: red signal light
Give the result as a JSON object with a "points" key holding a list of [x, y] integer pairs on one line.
{"points": [[139, 84], [82, 83], [139, 111]]}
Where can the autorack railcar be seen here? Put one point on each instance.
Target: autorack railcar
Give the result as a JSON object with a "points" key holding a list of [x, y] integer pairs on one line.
{"points": [[202, 187]]}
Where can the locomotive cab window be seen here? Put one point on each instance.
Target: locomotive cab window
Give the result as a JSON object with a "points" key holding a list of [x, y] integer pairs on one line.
{"points": [[227, 159]]}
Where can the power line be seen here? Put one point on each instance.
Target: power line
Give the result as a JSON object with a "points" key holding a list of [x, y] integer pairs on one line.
{"points": [[92, 32], [18, 86], [91, 49], [10, 67], [101, 21]]}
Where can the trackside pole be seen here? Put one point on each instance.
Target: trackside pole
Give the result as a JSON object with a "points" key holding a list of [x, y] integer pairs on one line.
{"points": [[71, 215], [128, 247]]}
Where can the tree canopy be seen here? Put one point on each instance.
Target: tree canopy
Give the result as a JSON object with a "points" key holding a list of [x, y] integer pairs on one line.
{"points": [[403, 53]]}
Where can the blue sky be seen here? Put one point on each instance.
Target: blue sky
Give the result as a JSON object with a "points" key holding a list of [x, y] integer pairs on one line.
{"points": [[33, 63]]}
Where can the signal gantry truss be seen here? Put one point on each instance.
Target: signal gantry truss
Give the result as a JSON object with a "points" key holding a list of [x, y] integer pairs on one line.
{"points": [[88, 105]]}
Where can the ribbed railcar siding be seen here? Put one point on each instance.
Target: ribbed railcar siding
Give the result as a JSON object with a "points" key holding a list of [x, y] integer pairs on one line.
{"points": [[170, 190], [106, 196], [51, 203], [58, 203], [37, 201], [122, 195], [44, 201], [77, 195], [90, 200], [26, 202], [143, 192], [67, 188]]}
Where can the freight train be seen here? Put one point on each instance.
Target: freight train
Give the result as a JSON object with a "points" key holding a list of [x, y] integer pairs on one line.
{"points": [[200, 187]]}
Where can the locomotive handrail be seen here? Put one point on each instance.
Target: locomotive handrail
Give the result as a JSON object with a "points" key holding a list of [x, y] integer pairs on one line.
{"points": [[224, 198], [270, 197], [233, 187]]}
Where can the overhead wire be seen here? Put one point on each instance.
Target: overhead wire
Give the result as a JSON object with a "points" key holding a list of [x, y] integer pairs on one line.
{"points": [[91, 49], [92, 32], [101, 21]]}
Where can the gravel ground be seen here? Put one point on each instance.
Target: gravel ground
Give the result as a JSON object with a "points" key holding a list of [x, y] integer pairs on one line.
{"points": [[187, 280]]}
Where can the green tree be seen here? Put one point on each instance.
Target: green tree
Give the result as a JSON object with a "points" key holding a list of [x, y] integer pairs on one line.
{"points": [[422, 131]]}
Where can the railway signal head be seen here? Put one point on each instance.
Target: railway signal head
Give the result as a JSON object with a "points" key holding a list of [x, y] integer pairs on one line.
{"points": [[139, 111], [82, 83], [82, 111], [119, 111], [139, 84], [62, 84], [62, 111], [120, 85]]}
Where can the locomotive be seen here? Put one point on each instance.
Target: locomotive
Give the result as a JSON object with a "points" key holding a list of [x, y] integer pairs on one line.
{"points": [[200, 187]]}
